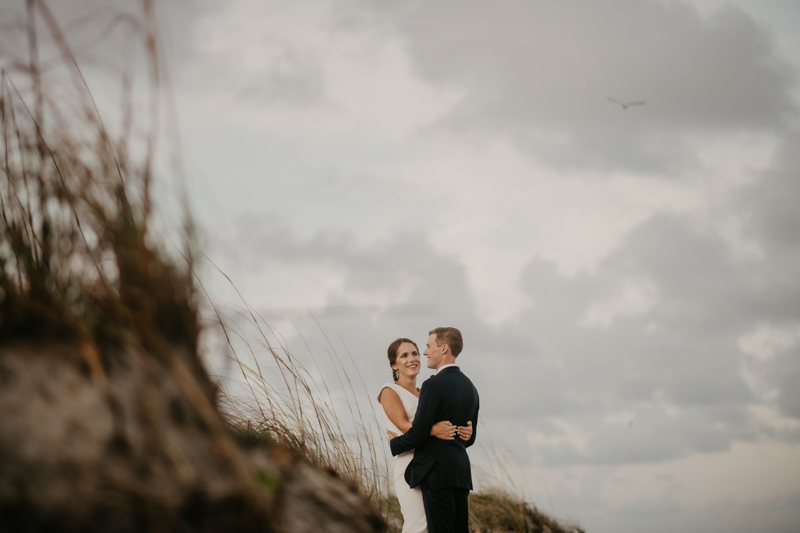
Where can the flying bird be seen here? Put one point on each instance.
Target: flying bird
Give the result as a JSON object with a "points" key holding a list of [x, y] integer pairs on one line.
{"points": [[626, 105]]}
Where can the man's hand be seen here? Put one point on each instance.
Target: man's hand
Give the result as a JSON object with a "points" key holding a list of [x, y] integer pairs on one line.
{"points": [[394, 435]]}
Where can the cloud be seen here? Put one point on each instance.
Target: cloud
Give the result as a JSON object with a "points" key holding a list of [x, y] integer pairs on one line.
{"points": [[671, 365], [770, 208], [540, 72]]}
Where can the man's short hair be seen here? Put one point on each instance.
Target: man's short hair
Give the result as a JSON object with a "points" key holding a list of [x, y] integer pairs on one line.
{"points": [[449, 336]]}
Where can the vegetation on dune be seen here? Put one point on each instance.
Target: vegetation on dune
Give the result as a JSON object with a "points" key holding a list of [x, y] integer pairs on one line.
{"points": [[285, 405], [79, 261], [78, 257], [497, 510]]}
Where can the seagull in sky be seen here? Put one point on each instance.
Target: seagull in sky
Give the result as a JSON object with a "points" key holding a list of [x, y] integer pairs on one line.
{"points": [[626, 105]]}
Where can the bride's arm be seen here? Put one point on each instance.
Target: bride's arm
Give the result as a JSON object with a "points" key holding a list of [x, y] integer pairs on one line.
{"points": [[394, 409]]}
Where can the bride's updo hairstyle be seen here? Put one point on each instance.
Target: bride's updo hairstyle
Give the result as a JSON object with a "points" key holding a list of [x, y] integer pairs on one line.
{"points": [[392, 352]]}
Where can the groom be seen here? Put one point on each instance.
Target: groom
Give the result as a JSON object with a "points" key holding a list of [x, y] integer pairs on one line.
{"points": [[441, 467]]}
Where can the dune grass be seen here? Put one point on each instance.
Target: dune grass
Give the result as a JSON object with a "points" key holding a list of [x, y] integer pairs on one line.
{"points": [[78, 256], [277, 399]]}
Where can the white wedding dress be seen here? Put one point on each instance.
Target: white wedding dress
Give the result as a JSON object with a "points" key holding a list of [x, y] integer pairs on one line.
{"points": [[414, 519]]}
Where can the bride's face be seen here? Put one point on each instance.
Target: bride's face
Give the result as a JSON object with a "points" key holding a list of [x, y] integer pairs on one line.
{"points": [[407, 363]]}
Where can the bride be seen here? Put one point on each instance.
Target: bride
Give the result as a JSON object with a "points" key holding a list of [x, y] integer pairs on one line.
{"points": [[399, 401]]}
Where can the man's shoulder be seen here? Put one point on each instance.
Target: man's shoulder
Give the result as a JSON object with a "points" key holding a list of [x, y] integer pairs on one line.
{"points": [[462, 379], [432, 383], [428, 381]]}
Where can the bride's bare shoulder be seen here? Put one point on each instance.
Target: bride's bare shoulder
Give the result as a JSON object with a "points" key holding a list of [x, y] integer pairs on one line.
{"points": [[391, 395]]}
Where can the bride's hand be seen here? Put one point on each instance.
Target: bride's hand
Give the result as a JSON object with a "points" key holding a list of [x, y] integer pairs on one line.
{"points": [[465, 432], [444, 430]]}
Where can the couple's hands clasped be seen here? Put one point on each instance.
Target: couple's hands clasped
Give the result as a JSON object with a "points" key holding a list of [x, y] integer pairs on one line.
{"points": [[444, 430]]}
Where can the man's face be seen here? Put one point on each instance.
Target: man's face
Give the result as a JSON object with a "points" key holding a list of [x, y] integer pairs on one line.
{"points": [[433, 352]]}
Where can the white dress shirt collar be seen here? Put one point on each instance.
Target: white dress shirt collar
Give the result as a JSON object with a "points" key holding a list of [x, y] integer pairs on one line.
{"points": [[443, 367]]}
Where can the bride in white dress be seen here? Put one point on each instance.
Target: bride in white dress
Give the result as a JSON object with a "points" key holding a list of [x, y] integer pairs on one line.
{"points": [[399, 401]]}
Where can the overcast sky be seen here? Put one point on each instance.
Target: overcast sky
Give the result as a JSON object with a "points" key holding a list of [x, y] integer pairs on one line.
{"points": [[626, 279]]}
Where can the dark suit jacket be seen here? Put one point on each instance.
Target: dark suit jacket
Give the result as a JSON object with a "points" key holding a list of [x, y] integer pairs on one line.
{"points": [[449, 395]]}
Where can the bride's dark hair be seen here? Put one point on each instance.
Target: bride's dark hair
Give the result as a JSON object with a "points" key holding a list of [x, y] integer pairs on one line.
{"points": [[392, 352]]}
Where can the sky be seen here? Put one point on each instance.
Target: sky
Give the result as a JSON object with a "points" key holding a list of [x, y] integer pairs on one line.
{"points": [[626, 280]]}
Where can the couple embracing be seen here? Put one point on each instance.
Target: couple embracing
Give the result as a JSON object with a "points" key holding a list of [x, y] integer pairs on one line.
{"points": [[435, 423]]}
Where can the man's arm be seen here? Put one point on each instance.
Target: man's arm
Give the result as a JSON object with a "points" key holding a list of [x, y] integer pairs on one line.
{"points": [[427, 410], [471, 440]]}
